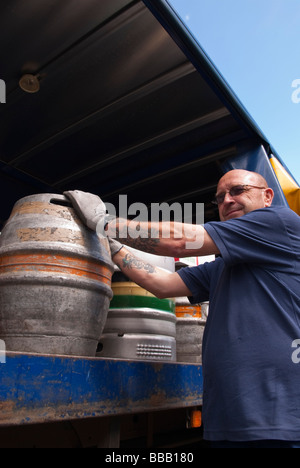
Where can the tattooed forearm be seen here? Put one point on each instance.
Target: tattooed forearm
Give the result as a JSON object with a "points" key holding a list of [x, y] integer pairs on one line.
{"points": [[146, 245], [130, 262], [135, 234]]}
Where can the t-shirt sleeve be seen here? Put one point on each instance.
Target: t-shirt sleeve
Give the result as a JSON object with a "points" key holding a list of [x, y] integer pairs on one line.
{"points": [[258, 237], [198, 280]]}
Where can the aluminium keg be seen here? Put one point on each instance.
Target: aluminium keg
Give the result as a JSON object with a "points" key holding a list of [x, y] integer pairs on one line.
{"points": [[55, 279], [139, 325], [189, 330]]}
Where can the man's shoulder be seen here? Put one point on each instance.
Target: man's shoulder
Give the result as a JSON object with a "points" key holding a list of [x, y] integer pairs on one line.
{"points": [[268, 213], [281, 220], [276, 209], [276, 212]]}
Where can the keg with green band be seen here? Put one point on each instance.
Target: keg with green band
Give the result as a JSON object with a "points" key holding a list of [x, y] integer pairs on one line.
{"points": [[127, 295], [138, 325]]}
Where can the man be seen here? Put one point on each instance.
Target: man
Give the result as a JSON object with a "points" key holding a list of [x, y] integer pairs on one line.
{"points": [[251, 367]]}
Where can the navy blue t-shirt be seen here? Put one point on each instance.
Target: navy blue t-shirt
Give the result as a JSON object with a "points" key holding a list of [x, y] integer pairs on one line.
{"points": [[251, 356]]}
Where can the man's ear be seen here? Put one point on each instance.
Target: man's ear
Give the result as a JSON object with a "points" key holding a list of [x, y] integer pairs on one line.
{"points": [[269, 195]]}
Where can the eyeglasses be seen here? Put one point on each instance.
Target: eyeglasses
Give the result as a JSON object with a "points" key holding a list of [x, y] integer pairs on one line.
{"points": [[234, 192]]}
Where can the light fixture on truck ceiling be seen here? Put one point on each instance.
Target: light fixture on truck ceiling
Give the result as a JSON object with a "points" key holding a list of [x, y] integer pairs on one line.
{"points": [[30, 83]]}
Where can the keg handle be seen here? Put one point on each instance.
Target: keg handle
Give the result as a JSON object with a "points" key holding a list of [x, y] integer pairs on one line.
{"points": [[61, 200]]}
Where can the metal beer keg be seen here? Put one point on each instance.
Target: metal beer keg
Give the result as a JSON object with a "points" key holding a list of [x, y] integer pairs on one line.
{"points": [[139, 325], [55, 279], [189, 330]]}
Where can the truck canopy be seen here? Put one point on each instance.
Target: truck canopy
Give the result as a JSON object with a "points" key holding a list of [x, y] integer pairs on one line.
{"points": [[117, 97]]}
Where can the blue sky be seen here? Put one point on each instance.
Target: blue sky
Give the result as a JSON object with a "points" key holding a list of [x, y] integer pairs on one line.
{"points": [[255, 44]]}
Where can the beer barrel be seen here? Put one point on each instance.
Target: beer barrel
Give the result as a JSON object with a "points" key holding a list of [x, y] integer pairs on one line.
{"points": [[55, 279], [189, 330], [139, 325]]}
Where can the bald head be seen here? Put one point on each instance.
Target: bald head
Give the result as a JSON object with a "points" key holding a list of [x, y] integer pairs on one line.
{"points": [[244, 177], [255, 193]]}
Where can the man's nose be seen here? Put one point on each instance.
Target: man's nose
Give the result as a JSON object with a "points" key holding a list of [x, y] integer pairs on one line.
{"points": [[228, 198]]}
